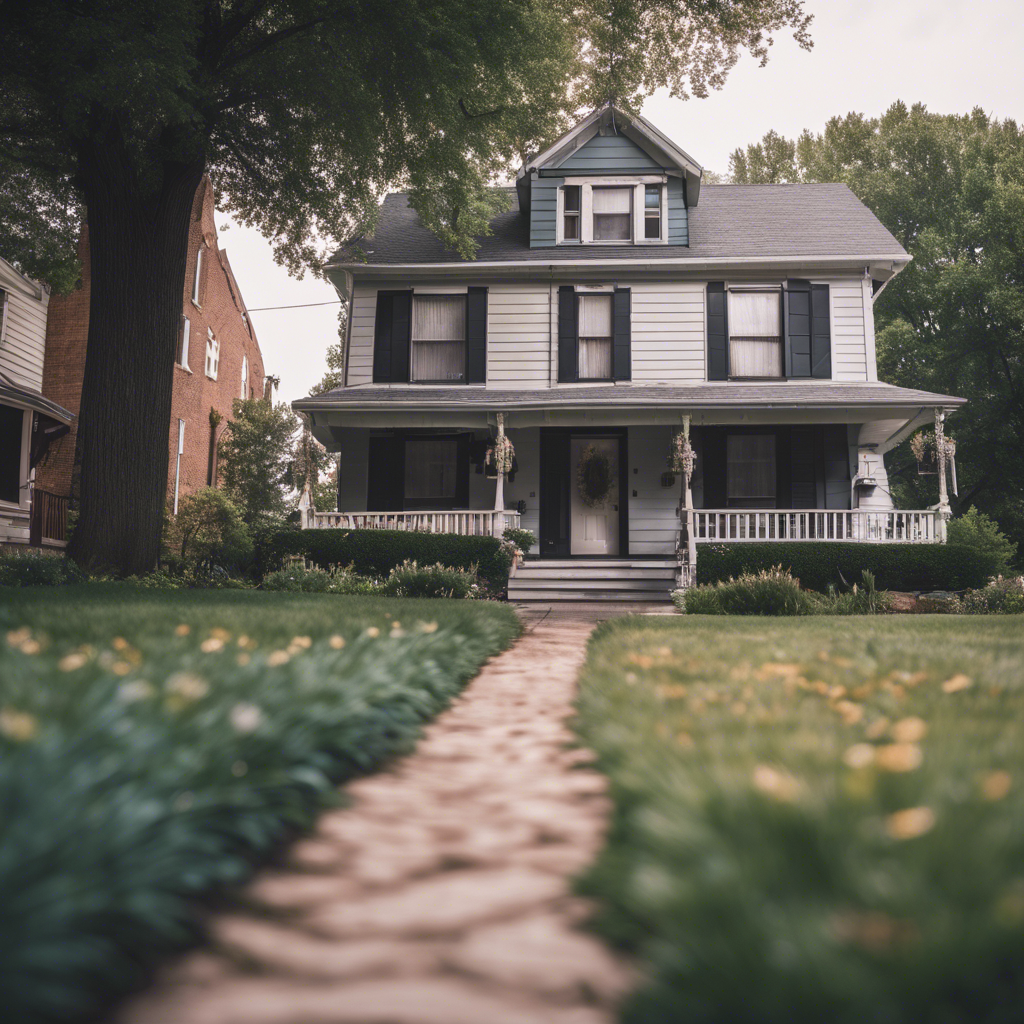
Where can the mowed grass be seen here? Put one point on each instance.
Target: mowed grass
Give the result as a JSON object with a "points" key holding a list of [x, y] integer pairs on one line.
{"points": [[156, 745], [814, 820]]}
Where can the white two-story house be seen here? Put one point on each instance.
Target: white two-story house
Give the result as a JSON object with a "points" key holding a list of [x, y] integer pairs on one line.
{"points": [[618, 303]]}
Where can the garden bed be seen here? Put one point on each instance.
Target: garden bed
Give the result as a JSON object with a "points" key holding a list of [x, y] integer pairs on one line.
{"points": [[815, 819], [156, 745]]}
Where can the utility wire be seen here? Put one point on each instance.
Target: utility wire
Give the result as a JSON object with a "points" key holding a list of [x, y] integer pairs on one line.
{"points": [[301, 305]]}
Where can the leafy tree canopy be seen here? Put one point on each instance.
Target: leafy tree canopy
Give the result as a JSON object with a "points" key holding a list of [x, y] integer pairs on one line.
{"points": [[951, 189]]}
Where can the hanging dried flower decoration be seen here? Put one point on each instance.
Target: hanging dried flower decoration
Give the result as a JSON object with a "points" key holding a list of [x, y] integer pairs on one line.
{"points": [[500, 455], [594, 477], [925, 448], [682, 458]]}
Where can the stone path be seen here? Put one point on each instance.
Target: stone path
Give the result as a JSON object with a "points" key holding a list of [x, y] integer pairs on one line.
{"points": [[441, 895]]}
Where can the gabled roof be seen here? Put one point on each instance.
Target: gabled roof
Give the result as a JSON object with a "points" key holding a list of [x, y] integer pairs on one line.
{"points": [[741, 222], [637, 129]]}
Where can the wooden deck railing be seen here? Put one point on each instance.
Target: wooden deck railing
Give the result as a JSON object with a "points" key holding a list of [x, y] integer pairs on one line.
{"points": [[49, 519], [861, 525], [467, 523]]}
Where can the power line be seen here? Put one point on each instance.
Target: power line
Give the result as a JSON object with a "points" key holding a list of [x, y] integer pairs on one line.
{"points": [[301, 305]]}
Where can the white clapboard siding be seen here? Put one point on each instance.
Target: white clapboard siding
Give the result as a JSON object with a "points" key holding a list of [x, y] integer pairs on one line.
{"points": [[518, 336], [849, 348], [667, 334], [23, 345], [360, 343], [653, 521]]}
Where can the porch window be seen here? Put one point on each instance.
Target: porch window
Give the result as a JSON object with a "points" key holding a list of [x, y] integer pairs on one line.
{"points": [[750, 470], [595, 332], [571, 213], [755, 333], [12, 423], [652, 212], [613, 214], [438, 338], [431, 470]]}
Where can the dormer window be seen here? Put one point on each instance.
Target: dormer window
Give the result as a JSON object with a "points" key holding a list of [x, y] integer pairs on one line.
{"points": [[652, 212], [571, 214], [613, 214]]}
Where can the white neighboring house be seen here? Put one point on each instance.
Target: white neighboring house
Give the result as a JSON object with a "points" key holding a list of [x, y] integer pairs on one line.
{"points": [[617, 303], [29, 423]]}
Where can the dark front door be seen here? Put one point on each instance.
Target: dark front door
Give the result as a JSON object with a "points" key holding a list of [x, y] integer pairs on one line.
{"points": [[560, 451]]}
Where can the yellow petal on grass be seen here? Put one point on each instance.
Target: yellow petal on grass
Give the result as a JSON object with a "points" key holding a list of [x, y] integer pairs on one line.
{"points": [[777, 670], [16, 637], [302, 642], [182, 630], [337, 642], [30, 647], [187, 686], [243, 658], [776, 784], [71, 662], [739, 709], [910, 730], [18, 725], [957, 683], [396, 624], [276, 658], [643, 660], [211, 645], [996, 785], [910, 823], [373, 632], [119, 643], [899, 757], [670, 692], [121, 668], [427, 627], [860, 755], [877, 729], [220, 633], [851, 713]]}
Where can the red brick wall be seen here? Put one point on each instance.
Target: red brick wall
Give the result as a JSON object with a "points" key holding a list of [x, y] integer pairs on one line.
{"points": [[194, 394]]}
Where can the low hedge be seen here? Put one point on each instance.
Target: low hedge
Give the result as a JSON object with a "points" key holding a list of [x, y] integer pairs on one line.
{"points": [[377, 552], [818, 564]]}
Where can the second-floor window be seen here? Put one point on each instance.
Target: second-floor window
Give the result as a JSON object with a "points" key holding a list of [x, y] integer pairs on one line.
{"points": [[212, 355], [652, 212], [198, 275], [571, 213], [613, 214], [245, 377], [595, 333], [183, 335], [438, 347], [755, 333]]}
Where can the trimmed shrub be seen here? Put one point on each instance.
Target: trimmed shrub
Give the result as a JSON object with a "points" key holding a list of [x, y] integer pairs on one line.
{"points": [[820, 564], [522, 539], [977, 530], [768, 592], [377, 552], [412, 580], [32, 569], [1004, 596]]}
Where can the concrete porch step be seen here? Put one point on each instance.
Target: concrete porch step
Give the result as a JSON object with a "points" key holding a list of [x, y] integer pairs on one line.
{"points": [[560, 583], [608, 563], [550, 595], [594, 572]]}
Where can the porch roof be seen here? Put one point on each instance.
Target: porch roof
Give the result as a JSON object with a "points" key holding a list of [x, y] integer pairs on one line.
{"points": [[727, 395]]}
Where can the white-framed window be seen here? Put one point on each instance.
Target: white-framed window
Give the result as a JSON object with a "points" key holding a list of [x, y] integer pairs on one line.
{"points": [[613, 213], [595, 337], [750, 470], [571, 213], [184, 331], [198, 276], [755, 332], [212, 355], [652, 212], [438, 349], [245, 377]]}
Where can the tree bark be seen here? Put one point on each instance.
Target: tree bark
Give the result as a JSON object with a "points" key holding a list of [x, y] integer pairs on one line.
{"points": [[138, 241]]}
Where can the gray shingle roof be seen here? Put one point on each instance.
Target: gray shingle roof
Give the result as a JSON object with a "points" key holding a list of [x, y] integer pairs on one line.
{"points": [[731, 221], [803, 394]]}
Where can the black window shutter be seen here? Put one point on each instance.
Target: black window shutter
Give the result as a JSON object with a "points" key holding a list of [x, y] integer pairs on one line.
{"points": [[568, 337], [392, 328], [621, 334], [718, 332], [382, 338], [385, 476], [821, 332], [476, 336], [798, 328]]}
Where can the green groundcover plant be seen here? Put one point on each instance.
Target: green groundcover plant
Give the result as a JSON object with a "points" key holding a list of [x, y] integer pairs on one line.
{"points": [[155, 745], [812, 821]]}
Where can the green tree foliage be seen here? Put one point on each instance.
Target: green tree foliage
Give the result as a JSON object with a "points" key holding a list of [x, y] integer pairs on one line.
{"points": [[978, 530], [951, 189], [304, 112], [255, 459], [208, 526]]}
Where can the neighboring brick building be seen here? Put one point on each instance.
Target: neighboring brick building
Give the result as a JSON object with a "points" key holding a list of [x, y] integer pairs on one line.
{"points": [[217, 360]]}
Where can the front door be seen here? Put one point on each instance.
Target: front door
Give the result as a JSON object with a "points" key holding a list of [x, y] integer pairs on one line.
{"points": [[594, 496]]}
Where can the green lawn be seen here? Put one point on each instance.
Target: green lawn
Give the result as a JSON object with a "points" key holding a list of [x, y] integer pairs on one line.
{"points": [[815, 820], [155, 745]]}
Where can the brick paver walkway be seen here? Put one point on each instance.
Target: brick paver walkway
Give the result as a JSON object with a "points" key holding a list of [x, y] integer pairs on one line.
{"points": [[441, 895]]}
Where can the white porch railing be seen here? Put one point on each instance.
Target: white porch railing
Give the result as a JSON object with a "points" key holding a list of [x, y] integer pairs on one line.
{"points": [[859, 525], [468, 523]]}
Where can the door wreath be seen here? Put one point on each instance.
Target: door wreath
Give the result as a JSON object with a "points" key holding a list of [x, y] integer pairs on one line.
{"points": [[594, 478]]}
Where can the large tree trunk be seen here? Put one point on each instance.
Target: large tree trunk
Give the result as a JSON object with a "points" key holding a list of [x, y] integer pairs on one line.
{"points": [[138, 241]]}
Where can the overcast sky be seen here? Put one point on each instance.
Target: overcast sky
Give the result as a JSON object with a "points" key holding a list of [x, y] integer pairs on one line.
{"points": [[951, 55]]}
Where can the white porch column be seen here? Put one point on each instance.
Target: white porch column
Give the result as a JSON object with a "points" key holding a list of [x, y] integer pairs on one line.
{"points": [[940, 457], [499, 485], [686, 515]]}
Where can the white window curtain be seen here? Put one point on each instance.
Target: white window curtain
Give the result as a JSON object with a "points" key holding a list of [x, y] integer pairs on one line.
{"points": [[245, 377], [595, 335], [430, 470], [186, 330], [755, 342], [438, 337], [750, 470], [613, 209], [212, 355]]}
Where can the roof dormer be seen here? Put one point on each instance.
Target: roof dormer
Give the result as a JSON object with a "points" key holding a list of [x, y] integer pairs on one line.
{"points": [[614, 180]]}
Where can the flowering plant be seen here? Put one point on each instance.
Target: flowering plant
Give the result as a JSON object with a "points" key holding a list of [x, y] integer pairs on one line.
{"points": [[682, 457], [500, 454], [924, 447]]}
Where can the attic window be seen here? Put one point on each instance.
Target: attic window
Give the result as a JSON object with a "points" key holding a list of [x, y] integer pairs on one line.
{"points": [[652, 212], [571, 227], [613, 213]]}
